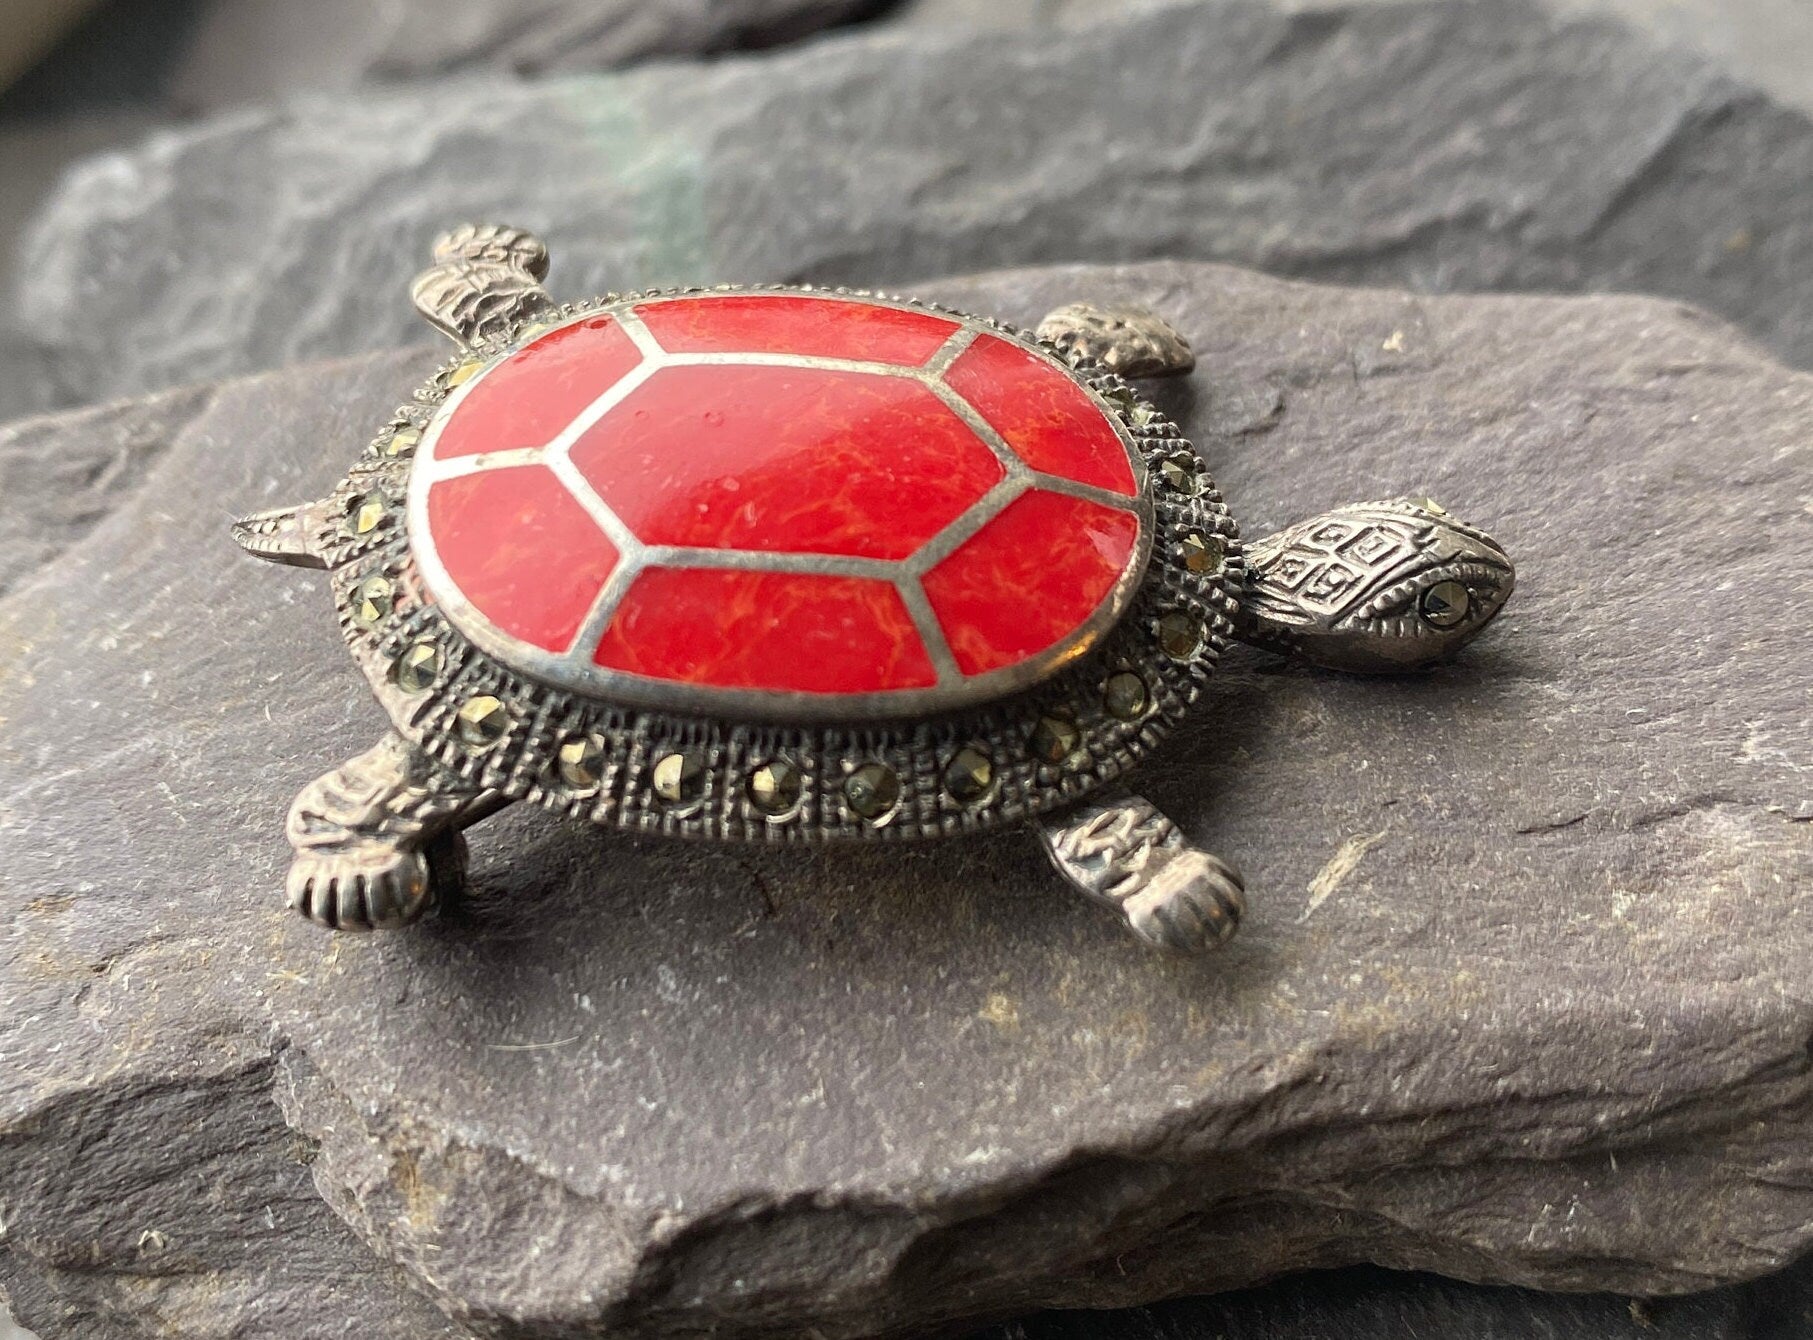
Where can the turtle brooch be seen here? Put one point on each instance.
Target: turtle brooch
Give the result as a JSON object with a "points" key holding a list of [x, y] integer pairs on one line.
{"points": [[792, 565]]}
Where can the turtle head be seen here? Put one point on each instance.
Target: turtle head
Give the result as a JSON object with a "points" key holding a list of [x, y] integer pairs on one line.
{"points": [[282, 535], [1374, 586]]}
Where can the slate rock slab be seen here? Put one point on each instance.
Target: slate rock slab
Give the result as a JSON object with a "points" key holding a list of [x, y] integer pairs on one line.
{"points": [[1521, 998], [189, 56], [241, 51], [1765, 43], [1435, 146]]}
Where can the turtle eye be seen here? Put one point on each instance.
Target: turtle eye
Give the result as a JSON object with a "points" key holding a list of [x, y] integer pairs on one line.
{"points": [[1449, 599]]}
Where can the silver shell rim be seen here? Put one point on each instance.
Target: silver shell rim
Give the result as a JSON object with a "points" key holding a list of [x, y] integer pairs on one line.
{"points": [[569, 671]]}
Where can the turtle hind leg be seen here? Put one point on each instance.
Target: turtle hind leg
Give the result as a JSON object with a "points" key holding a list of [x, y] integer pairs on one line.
{"points": [[1127, 340], [1126, 855], [287, 535], [377, 839]]}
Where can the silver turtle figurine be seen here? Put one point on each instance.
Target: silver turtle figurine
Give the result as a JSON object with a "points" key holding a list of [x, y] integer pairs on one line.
{"points": [[794, 565]]}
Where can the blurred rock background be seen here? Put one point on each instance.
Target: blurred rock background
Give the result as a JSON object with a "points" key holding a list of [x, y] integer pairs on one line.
{"points": [[186, 192]]}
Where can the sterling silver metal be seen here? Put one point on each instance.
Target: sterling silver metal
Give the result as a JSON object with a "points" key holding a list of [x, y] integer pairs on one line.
{"points": [[1386, 585]]}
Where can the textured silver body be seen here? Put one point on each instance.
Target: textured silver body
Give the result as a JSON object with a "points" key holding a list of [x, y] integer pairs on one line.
{"points": [[1131, 342], [376, 839]]}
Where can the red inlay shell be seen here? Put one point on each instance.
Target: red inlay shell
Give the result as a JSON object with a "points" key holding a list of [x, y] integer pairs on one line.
{"points": [[785, 504]]}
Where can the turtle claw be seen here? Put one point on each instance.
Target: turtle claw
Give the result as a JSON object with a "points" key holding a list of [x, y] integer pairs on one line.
{"points": [[1127, 855], [1193, 902], [371, 887]]}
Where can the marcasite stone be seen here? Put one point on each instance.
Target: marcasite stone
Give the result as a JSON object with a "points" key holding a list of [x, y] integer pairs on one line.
{"points": [[580, 761], [416, 668], [1124, 695], [622, 1088], [483, 721], [679, 778], [1445, 604], [1180, 635], [365, 513], [1054, 739], [872, 791], [774, 788], [1181, 474], [1202, 553], [377, 598], [968, 775]]}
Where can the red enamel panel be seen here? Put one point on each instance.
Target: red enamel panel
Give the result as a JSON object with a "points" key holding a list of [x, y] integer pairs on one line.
{"points": [[1029, 578], [785, 632], [778, 457], [496, 533], [793, 324], [531, 396], [785, 460], [1051, 422]]}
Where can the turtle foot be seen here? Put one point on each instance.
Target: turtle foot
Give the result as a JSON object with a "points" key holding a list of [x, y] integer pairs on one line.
{"points": [[377, 840], [1126, 855], [373, 885], [1127, 340]]}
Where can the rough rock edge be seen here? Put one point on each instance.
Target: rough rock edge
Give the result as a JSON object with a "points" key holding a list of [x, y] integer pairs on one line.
{"points": [[1195, 1213]]}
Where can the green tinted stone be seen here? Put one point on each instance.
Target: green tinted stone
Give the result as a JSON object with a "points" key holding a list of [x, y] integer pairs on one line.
{"points": [[1181, 474], [774, 788], [1143, 415], [679, 778], [403, 442], [969, 774], [1446, 604], [1180, 635], [1054, 739], [464, 372], [1124, 695], [1121, 397], [416, 669], [365, 513], [1202, 553], [483, 721], [373, 601], [580, 761], [872, 791], [1431, 506]]}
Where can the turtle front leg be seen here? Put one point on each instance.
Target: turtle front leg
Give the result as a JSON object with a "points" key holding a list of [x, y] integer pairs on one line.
{"points": [[486, 279], [1126, 855], [1375, 586], [377, 839], [1127, 340]]}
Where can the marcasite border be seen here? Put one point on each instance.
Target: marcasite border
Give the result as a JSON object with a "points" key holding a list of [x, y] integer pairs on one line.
{"points": [[1015, 732]]}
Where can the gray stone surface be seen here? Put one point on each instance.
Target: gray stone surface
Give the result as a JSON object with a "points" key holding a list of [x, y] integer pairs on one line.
{"points": [[1439, 146], [59, 476], [1766, 43], [257, 50], [1521, 999], [188, 56]]}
